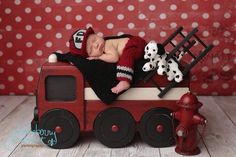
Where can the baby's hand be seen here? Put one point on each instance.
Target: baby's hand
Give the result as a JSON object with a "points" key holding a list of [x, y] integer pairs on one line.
{"points": [[92, 58]]}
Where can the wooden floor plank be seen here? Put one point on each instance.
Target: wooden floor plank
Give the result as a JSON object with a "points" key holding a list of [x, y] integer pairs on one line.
{"points": [[220, 136], [16, 126], [228, 105], [8, 104], [32, 146]]}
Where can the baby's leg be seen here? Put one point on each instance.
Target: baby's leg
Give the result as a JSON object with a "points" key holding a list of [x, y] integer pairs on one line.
{"points": [[120, 87]]}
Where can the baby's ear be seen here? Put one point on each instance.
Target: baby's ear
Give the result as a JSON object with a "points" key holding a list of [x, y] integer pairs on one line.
{"points": [[161, 49]]}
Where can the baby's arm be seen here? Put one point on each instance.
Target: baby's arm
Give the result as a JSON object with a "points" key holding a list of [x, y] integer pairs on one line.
{"points": [[109, 57]]}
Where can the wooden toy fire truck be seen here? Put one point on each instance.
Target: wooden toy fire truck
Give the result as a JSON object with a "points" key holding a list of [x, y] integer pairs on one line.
{"points": [[66, 105]]}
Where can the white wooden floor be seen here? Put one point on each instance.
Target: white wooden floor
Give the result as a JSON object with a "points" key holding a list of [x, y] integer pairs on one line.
{"points": [[16, 139]]}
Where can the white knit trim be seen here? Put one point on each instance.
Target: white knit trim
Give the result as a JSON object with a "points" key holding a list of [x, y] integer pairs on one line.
{"points": [[125, 68], [119, 74]]}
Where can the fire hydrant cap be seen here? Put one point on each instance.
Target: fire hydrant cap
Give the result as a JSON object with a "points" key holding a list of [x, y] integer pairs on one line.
{"points": [[189, 101]]}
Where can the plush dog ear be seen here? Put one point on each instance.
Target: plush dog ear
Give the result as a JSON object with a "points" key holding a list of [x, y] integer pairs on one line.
{"points": [[161, 49]]}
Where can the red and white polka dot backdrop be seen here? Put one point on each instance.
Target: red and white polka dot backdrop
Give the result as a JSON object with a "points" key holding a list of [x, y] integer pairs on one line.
{"points": [[31, 29]]}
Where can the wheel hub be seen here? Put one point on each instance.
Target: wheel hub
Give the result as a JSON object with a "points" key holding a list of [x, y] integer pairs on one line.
{"points": [[159, 128], [114, 128], [58, 129]]}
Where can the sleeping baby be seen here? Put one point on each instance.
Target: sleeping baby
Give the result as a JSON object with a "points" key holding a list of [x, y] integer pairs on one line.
{"points": [[123, 50]]}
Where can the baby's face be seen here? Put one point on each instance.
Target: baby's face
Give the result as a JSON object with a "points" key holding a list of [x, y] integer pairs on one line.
{"points": [[95, 45]]}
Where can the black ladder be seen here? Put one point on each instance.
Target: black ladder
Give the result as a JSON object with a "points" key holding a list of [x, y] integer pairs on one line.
{"points": [[190, 39]]}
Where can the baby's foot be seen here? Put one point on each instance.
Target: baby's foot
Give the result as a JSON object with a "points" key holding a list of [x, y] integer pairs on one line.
{"points": [[120, 87]]}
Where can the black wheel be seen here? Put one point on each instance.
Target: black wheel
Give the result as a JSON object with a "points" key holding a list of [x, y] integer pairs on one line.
{"points": [[156, 128], [59, 129], [114, 127]]}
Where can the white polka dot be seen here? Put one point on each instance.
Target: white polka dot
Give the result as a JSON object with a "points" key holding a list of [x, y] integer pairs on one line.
{"points": [[29, 61], [131, 25], [195, 7], [38, 35], [163, 34], [89, 8], [227, 15], [48, 9], [38, 18], [204, 69], [27, 10], [216, 6], [234, 77], [9, 45], [39, 52], [141, 16], [78, 17], [173, 7], [131, 8], [10, 61], [68, 9], [141, 34], [205, 15], [163, 16], [99, 1], [1, 70], [226, 51], [48, 44], [173, 24], [10, 78], [110, 25], [18, 19], [2, 86], [152, 25], [8, 28], [227, 34], [1, 37], [17, 2], [78, 1], [7, 10], [1, 53], [120, 1], [204, 86], [67, 44], [19, 53], [28, 27], [58, 35], [29, 44], [48, 27], [216, 42], [68, 26], [21, 86], [205, 33], [57, 1], [30, 78], [215, 60], [226, 68], [194, 24], [152, 7], [37, 1], [174, 42], [216, 24], [20, 70], [215, 77], [120, 16], [58, 18], [109, 8], [225, 85], [184, 16], [99, 17]]}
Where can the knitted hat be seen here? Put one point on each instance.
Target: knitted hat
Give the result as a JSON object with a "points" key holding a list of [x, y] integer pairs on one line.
{"points": [[78, 41]]}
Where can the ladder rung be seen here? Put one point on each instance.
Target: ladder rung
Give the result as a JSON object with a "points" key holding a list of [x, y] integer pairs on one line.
{"points": [[172, 36], [182, 43]]}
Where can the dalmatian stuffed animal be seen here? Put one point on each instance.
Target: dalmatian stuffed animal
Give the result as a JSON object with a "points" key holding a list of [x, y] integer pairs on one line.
{"points": [[157, 59], [153, 51]]}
